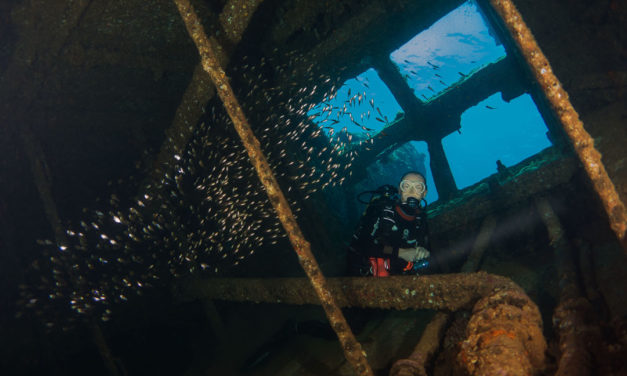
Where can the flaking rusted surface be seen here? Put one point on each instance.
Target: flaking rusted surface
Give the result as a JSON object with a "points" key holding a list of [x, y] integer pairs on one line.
{"points": [[504, 336], [581, 141]]}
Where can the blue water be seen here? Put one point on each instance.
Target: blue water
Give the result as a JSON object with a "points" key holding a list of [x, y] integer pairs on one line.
{"points": [[455, 47], [447, 53], [509, 132], [370, 86]]}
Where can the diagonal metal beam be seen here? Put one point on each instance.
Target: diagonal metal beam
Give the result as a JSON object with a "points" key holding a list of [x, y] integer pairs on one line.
{"points": [[352, 348]]}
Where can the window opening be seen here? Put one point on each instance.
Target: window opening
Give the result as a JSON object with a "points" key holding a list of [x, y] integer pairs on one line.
{"points": [[448, 52], [494, 130], [358, 110]]}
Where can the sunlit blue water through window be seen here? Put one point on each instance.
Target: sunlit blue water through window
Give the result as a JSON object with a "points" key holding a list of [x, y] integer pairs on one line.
{"points": [[445, 54], [433, 62], [494, 130], [362, 107]]}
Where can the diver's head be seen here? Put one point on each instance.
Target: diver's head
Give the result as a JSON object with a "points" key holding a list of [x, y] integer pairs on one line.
{"points": [[412, 189]]}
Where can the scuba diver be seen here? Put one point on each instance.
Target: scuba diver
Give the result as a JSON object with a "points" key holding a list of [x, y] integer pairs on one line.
{"points": [[391, 238], [392, 235]]}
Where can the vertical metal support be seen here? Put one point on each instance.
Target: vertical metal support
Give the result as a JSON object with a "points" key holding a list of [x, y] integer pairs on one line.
{"points": [[105, 352], [215, 320], [572, 317], [415, 364], [352, 348], [441, 170], [393, 79], [573, 127]]}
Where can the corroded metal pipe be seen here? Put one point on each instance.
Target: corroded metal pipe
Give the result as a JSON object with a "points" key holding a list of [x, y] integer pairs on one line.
{"points": [[573, 127], [449, 292], [504, 337], [352, 348]]}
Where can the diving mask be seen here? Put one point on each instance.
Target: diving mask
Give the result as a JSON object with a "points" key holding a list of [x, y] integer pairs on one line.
{"points": [[407, 185]]}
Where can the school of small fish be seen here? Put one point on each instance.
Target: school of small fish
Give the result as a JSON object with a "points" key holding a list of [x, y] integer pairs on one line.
{"points": [[209, 212]]}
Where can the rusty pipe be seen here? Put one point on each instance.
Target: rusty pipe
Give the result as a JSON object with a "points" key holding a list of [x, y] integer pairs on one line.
{"points": [[209, 60], [504, 337], [442, 292]]}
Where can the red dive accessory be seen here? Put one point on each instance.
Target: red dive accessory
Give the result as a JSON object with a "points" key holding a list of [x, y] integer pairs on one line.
{"points": [[380, 267]]}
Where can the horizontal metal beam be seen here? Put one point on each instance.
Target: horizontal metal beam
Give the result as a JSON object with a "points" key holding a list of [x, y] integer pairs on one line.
{"points": [[449, 292]]}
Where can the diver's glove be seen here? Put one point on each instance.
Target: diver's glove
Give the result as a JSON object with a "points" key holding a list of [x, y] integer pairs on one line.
{"points": [[421, 254], [413, 254]]}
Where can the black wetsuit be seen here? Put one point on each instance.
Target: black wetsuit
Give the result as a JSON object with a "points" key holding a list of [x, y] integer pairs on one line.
{"points": [[385, 227]]}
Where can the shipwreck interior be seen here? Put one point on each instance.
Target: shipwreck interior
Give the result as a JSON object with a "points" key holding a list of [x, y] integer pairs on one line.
{"points": [[180, 180]]}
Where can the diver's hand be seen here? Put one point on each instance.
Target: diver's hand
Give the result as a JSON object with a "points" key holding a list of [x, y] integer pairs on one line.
{"points": [[413, 254], [421, 253], [407, 254]]}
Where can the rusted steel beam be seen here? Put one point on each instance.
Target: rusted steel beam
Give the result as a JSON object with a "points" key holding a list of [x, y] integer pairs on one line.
{"points": [[352, 348], [450, 292], [105, 351], [544, 171], [573, 127]]}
